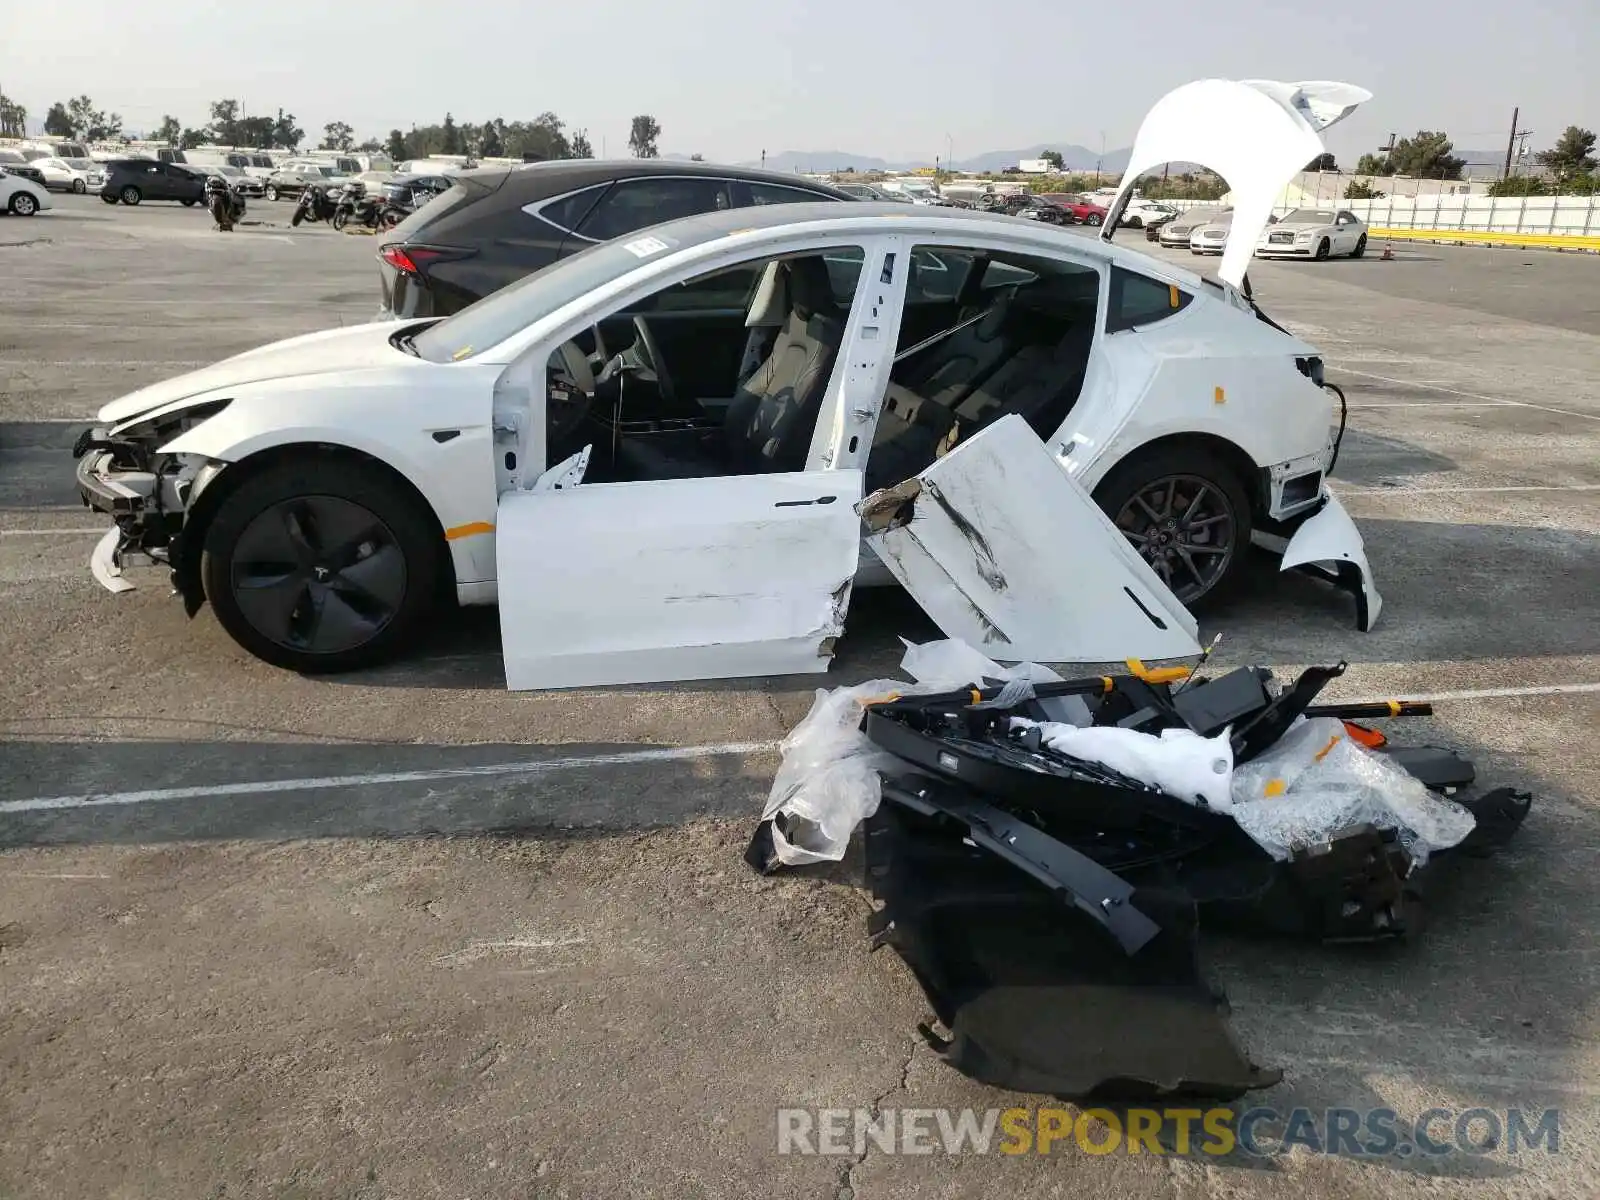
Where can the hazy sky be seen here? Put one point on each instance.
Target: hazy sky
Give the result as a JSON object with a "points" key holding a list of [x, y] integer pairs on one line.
{"points": [[727, 78]]}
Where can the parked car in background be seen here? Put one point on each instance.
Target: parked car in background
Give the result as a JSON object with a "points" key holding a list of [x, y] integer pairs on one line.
{"points": [[866, 191], [1315, 233], [245, 185], [1212, 237], [1176, 233], [1081, 210], [1037, 208], [289, 180], [135, 180], [496, 225], [78, 175], [21, 196], [14, 162], [413, 191], [1154, 225], [1141, 213]]}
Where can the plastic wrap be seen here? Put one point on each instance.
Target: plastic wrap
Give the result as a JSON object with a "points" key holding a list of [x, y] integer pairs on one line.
{"points": [[1315, 783], [828, 781]]}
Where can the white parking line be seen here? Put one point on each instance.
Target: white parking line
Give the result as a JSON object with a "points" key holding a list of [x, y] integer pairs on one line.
{"points": [[98, 529], [551, 766], [1452, 491], [1434, 404], [104, 362], [1437, 387], [263, 787]]}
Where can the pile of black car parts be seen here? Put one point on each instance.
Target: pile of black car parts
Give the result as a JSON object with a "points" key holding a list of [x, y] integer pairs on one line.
{"points": [[1049, 907]]}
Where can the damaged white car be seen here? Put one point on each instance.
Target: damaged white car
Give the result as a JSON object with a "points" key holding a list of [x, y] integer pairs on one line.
{"points": [[673, 457]]}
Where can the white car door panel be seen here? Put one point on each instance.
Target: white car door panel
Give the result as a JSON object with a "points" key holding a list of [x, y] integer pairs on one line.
{"points": [[1002, 548], [676, 579]]}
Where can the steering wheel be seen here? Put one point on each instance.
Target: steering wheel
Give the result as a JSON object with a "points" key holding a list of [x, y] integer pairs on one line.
{"points": [[653, 360]]}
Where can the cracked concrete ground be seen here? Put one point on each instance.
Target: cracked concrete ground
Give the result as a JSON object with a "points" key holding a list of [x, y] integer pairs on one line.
{"points": [[507, 955]]}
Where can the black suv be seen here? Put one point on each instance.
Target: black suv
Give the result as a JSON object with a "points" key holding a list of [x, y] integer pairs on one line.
{"points": [[497, 225], [134, 179]]}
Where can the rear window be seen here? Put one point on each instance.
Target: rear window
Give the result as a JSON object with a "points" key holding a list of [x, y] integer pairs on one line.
{"points": [[568, 212], [635, 204], [447, 204], [1139, 300], [776, 193]]}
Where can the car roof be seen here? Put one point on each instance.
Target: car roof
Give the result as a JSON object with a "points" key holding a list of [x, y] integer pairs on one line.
{"points": [[930, 222], [556, 176]]}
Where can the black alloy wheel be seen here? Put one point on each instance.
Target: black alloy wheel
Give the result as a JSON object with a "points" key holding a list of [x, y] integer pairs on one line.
{"points": [[131, 195], [1186, 528], [323, 565], [318, 574], [1323, 248]]}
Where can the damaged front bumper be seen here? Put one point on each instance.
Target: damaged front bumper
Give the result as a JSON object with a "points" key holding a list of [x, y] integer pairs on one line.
{"points": [[146, 494]]}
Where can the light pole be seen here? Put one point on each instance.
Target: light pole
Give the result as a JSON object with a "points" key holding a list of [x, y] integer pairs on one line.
{"points": [[1099, 162], [949, 154]]}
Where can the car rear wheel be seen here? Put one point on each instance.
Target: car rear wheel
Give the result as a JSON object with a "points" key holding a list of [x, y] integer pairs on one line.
{"points": [[23, 204], [108, 199], [272, 192], [322, 565], [1092, 219], [190, 203], [1186, 512], [79, 187], [1135, 222], [131, 195], [1361, 247], [1322, 250]]}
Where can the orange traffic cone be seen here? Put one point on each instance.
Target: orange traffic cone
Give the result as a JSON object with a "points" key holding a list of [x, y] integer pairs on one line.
{"points": [[1388, 252]]}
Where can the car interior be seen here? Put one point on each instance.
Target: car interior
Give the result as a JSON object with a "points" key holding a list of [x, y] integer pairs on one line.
{"points": [[726, 374]]}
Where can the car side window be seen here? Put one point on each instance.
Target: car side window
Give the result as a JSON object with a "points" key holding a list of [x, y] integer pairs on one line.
{"points": [[937, 276], [730, 289], [1139, 300], [777, 193], [568, 212], [635, 204]]}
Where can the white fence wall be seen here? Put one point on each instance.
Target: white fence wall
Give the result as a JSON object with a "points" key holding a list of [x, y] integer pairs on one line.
{"points": [[1573, 216]]}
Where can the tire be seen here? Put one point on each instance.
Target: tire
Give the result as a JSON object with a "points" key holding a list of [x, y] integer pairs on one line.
{"points": [[1361, 247], [23, 204], [1322, 250], [108, 199], [1135, 222], [272, 193], [299, 215], [1201, 564], [339, 219], [79, 187], [130, 195], [278, 541], [189, 203], [1092, 219]]}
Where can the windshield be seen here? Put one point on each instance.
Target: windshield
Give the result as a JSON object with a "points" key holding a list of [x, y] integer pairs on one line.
{"points": [[1310, 216], [11, 156], [490, 321], [78, 164], [1199, 216]]}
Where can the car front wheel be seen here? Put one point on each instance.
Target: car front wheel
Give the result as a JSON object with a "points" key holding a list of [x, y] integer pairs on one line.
{"points": [[1092, 219], [272, 192], [23, 204], [79, 187], [1186, 513], [131, 195], [1323, 249], [322, 565], [1361, 247]]}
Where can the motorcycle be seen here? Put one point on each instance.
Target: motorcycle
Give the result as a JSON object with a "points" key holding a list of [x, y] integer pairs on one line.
{"points": [[224, 203], [368, 212], [315, 205]]}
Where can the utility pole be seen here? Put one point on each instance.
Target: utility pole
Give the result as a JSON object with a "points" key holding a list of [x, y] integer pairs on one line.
{"points": [[763, 160], [1511, 142]]}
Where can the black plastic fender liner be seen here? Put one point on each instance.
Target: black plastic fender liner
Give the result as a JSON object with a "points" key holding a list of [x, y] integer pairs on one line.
{"points": [[1036, 995]]}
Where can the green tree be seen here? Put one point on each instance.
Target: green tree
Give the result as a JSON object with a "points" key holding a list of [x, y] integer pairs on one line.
{"points": [[491, 142], [580, 145], [13, 118], [90, 124], [395, 146], [541, 138], [1371, 164], [370, 146], [1323, 162], [224, 128], [1360, 189], [643, 135], [1518, 185], [57, 123], [192, 138], [336, 135], [1572, 155], [1425, 156], [285, 133], [170, 131], [1053, 157], [451, 136]]}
